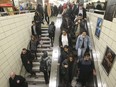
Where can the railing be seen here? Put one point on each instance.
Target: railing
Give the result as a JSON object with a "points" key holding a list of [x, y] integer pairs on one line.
{"points": [[15, 12], [97, 78], [102, 12]]}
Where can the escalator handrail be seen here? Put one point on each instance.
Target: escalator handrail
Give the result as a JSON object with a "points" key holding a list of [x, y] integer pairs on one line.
{"points": [[91, 52]]}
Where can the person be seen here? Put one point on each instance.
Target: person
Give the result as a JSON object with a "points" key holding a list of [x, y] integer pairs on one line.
{"points": [[67, 24], [40, 10], [64, 39], [65, 52], [55, 10], [17, 81], [83, 44], [86, 70], [45, 66], [51, 31], [60, 9], [81, 10], [68, 70], [38, 21], [27, 61], [78, 21], [33, 29], [46, 14], [52, 10], [73, 11], [33, 46], [99, 7], [69, 11]]}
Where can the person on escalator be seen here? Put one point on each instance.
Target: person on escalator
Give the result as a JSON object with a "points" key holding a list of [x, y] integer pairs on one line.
{"points": [[45, 66], [77, 22], [81, 10], [17, 81], [51, 31], [86, 70], [83, 44], [27, 59], [68, 70], [65, 39]]}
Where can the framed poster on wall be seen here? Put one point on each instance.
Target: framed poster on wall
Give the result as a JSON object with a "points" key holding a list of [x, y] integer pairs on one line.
{"points": [[108, 60], [98, 27]]}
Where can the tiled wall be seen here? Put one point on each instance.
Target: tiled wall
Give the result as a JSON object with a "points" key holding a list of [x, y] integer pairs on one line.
{"points": [[14, 35], [107, 38]]}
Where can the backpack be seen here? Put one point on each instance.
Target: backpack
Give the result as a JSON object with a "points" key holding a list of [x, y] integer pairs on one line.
{"points": [[43, 65], [50, 29]]}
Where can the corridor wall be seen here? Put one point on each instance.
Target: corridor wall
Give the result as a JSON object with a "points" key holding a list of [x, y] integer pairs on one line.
{"points": [[14, 35], [107, 38]]}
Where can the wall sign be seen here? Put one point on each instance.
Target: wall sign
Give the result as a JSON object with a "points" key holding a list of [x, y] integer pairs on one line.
{"points": [[108, 60], [98, 27]]}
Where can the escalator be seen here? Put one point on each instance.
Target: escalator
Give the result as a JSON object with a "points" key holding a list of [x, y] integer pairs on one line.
{"points": [[93, 81], [45, 46]]}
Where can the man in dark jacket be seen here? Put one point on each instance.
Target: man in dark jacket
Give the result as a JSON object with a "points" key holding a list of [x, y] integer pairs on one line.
{"points": [[51, 31], [40, 10], [17, 81], [55, 10], [33, 29], [27, 61], [81, 10], [38, 20], [33, 46], [45, 66]]}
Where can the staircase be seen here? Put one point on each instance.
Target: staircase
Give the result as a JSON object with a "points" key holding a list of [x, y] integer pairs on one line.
{"points": [[46, 46]]}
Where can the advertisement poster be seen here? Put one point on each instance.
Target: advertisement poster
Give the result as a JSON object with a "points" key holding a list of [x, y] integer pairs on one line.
{"points": [[108, 60], [98, 27]]}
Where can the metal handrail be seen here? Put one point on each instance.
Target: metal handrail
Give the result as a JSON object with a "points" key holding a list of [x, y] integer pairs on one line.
{"points": [[15, 12], [97, 78]]}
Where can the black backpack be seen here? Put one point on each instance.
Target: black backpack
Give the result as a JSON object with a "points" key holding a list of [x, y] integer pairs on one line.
{"points": [[43, 65], [51, 29]]}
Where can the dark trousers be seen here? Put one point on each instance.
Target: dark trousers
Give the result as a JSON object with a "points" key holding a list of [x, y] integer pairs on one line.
{"points": [[34, 52], [38, 29], [46, 77], [47, 19], [29, 69], [51, 36]]}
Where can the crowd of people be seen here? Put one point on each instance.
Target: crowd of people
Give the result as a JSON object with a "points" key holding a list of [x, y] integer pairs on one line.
{"points": [[99, 5], [79, 65], [71, 65], [28, 55]]}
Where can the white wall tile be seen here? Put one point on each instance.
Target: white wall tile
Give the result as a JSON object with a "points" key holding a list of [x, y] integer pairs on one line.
{"points": [[14, 35], [107, 38]]}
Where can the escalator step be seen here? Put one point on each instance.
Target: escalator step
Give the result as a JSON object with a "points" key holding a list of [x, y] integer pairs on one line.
{"points": [[45, 31], [46, 42], [36, 63], [39, 80], [44, 45], [44, 38], [36, 68], [39, 85], [44, 49], [44, 35]]}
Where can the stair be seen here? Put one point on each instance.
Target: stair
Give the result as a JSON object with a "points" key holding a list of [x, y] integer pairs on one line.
{"points": [[46, 46]]}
